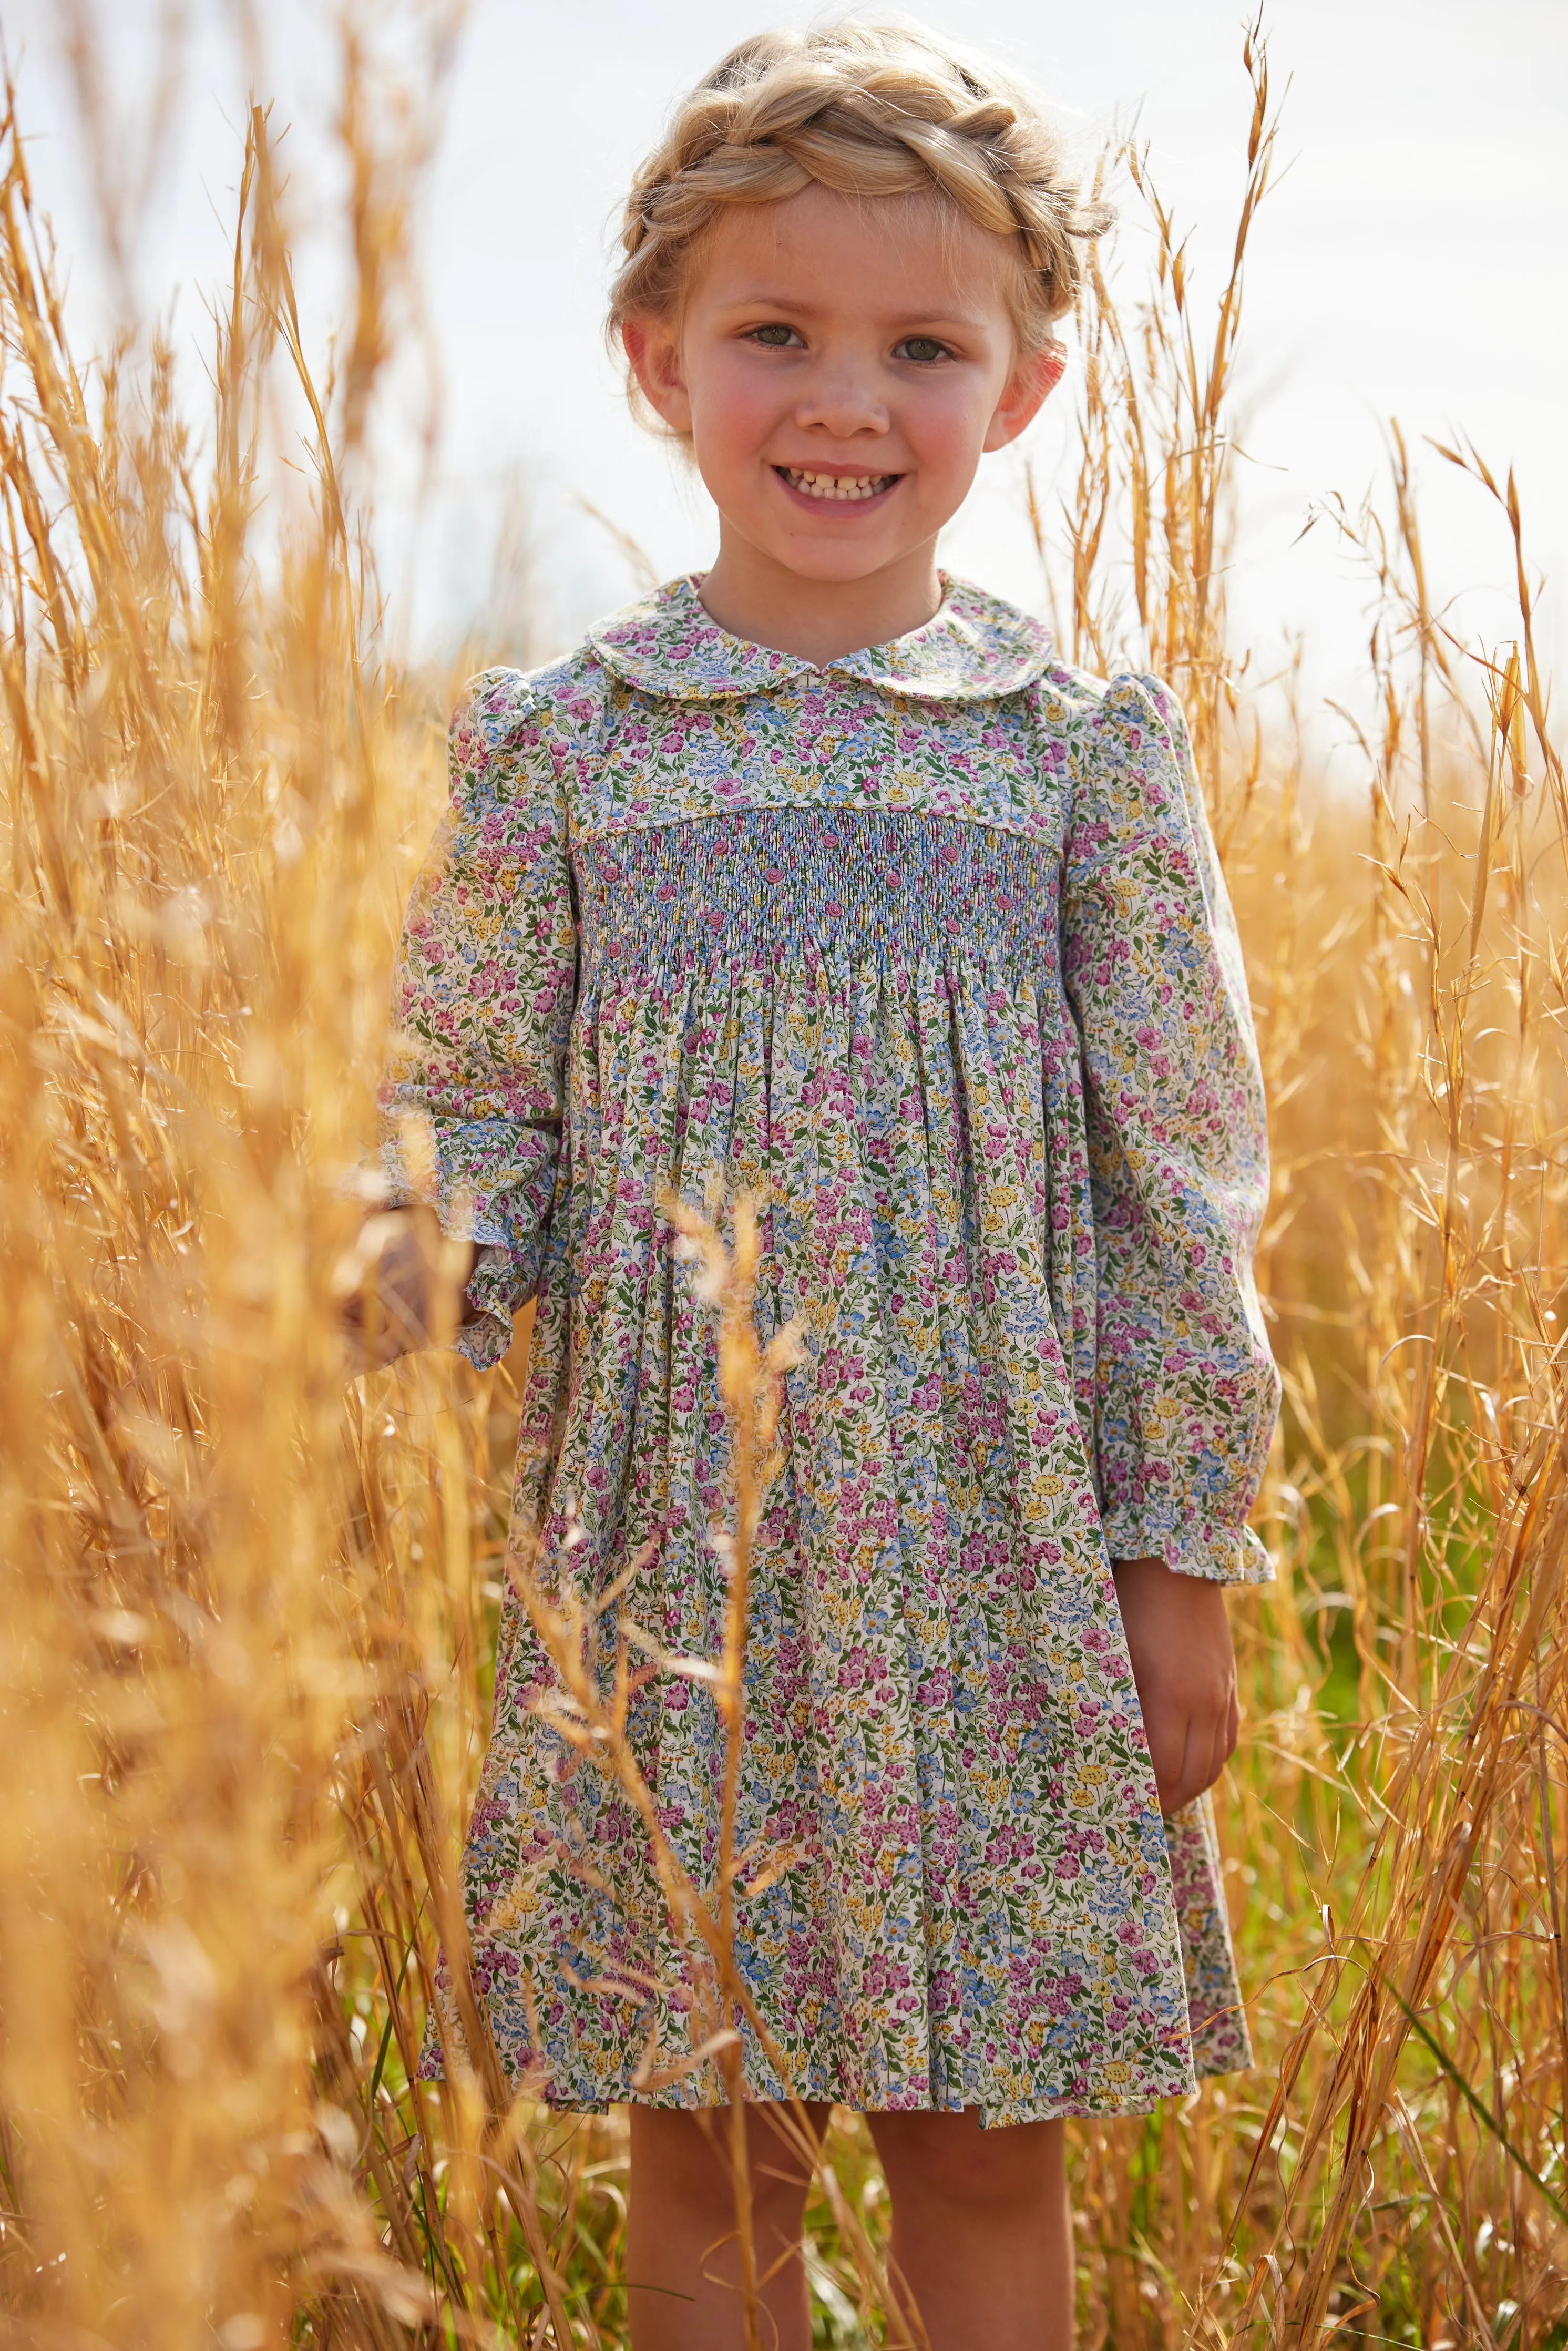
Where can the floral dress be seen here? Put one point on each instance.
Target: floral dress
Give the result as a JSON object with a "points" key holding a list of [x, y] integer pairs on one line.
{"points": [[931, 944]]}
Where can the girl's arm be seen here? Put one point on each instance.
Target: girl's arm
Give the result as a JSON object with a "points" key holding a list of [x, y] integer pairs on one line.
{"points": [[485, 994], [1186, 1389]]}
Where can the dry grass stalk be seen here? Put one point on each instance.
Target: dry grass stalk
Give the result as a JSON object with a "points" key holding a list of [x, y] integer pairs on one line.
{"points": [[250, 1632], [1407, 1031]]}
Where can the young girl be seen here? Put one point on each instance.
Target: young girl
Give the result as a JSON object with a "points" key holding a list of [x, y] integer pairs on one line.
{"points": [[820, 870]]}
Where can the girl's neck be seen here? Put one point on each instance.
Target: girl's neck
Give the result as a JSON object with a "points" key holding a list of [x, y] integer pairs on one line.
{"points": [[763, 602]]}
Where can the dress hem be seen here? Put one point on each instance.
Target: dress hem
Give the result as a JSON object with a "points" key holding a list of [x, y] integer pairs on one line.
{"points": [[1001, 2118]]}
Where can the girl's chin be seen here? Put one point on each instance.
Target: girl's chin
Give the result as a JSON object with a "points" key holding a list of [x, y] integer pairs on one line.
{"points": [[831, 560]]}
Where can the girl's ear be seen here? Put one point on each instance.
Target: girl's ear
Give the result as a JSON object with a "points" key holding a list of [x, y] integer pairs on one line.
{"points": [[655, 359], [1030, 387]]}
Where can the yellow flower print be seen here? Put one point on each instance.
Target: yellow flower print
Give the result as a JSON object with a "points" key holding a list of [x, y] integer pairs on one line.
{"points": [[933, 943]]}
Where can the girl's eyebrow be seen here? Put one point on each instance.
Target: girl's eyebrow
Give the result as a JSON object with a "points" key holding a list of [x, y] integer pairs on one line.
{"points": [[803, 306]]}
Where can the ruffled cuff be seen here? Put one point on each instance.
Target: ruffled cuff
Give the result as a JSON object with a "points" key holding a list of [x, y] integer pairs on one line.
{"points": [[1201, 1548], [488, 1179], [494, 1185], [493, 1297]]}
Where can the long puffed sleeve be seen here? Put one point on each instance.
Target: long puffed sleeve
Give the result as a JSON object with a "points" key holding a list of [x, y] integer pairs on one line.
{"points": [[1186, 1389], [485, 993]]}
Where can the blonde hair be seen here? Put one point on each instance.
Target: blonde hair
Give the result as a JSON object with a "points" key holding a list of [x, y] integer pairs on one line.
{"points": [[872, 110]]}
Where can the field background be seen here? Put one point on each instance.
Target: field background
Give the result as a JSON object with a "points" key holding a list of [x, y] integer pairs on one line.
{"points": [[249, 1606]]}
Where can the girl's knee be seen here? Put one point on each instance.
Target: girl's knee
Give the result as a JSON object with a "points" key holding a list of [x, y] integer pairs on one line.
{"points": [[684, 2159], [948, 2160], [673, 2148]]}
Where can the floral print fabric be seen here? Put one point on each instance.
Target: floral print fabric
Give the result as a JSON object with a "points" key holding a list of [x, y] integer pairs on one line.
{"points": [[932, 944]]}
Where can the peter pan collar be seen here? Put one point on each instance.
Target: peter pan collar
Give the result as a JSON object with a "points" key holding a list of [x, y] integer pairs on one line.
{"points": [[974, 648]]}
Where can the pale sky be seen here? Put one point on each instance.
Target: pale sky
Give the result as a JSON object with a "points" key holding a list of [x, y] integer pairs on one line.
{"points": [[1411, 262]]}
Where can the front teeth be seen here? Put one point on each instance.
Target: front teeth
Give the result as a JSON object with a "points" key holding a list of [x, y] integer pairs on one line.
{"points": [[836, 486]]}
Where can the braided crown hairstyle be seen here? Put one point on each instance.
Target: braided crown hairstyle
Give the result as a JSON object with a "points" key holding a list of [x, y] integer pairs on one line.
{"points": [[872, 110]]}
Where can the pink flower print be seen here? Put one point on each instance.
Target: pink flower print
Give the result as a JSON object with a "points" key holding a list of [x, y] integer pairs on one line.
{"points": [[901, 1609]]}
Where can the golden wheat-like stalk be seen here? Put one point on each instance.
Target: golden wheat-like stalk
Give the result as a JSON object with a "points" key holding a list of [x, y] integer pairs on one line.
{"points": [[250, 1610]]}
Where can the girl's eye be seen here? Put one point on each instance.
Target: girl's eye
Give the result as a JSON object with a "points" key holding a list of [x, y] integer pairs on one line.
{"points": [[775, 337], [924, 348]]}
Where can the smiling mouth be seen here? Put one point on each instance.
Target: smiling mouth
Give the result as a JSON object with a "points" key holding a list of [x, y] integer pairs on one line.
{"points": [[844, 489]]}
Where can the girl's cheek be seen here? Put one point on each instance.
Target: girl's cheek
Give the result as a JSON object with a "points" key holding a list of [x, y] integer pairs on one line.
{"points": [[948, 431], [733, 412]]}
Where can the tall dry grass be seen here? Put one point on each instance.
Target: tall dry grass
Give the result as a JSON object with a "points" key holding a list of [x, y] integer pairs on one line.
{"points": [[249, 1609]]}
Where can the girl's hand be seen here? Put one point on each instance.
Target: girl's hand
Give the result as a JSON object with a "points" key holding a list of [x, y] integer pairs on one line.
{"points": [[402, 1284], [1178, 1636]]}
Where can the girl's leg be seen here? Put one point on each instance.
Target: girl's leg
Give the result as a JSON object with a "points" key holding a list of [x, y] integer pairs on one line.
{"points": [[982, 2231], [683, 2262]]}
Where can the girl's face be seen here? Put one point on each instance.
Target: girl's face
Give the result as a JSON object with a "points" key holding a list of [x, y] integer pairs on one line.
{"points": [[841, 364]]}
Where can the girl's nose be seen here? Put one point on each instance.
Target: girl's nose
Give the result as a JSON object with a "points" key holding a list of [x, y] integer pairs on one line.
{"points": [[843, 401]]}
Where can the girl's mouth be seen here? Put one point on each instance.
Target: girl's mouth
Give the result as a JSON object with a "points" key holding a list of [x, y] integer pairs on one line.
{"points": [[836, 489]]}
